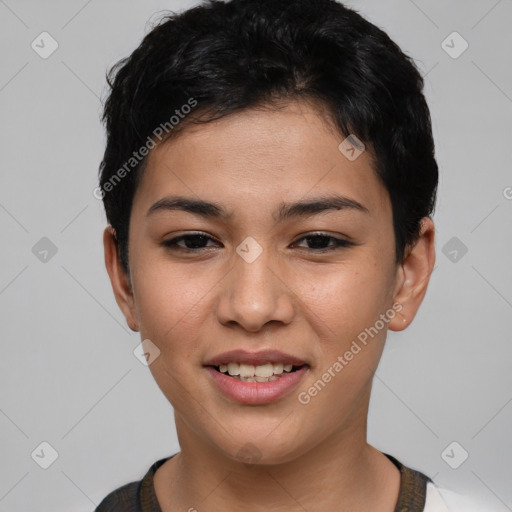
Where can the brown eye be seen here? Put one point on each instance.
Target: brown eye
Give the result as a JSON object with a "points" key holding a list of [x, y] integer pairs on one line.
{"points": [[321, 242], [190, 242]]}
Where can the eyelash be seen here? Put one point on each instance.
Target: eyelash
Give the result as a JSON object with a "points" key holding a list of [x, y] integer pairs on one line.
{"points": [[339, 242]]}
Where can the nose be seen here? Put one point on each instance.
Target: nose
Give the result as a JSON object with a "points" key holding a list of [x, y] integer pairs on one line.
{"points": [[255, 294]]}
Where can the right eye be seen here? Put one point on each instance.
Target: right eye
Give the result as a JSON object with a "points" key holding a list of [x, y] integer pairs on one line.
{"points": [[192, 242]]}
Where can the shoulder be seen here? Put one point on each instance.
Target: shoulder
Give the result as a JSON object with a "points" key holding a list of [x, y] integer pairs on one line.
{"points": [[441, 499], [123, 499], [138, 496]]}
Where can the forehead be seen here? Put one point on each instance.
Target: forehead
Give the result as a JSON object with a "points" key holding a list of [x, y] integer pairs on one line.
{"points": [[262, 157]]}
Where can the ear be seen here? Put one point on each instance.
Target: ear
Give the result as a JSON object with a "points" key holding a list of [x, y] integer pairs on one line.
{"points": [[413, 276], [120, 281]]}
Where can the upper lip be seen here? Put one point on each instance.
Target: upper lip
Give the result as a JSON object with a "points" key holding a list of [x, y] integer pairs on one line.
{"points": [[254, 358]]}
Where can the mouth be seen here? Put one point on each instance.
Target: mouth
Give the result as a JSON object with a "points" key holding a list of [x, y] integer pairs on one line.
{"points": [[256, 378], [267, 372]]}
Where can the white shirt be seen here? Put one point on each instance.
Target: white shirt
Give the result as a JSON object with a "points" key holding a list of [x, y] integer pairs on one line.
{"points": [[439, 499]]}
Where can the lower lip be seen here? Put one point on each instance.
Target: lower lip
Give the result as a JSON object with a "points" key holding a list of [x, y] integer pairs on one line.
{"points": [[256, 392]]}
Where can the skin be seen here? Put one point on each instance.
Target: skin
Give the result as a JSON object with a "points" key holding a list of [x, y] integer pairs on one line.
{"points": [[291, 298]]}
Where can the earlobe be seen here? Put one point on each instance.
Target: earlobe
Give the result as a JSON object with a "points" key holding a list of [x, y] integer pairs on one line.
{"points": [[414, 275], [119, 280]]}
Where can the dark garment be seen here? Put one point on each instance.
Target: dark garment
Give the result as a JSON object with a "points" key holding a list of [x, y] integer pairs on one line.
{"points": [[140, 496]]}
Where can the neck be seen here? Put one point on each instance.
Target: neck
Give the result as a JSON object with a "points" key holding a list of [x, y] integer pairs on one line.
{"points": [[341, 473]]}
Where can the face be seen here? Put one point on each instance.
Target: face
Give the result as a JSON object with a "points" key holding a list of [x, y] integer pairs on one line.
{"points": [[255, 271]]}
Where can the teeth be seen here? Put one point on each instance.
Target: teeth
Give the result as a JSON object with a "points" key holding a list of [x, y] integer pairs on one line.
{"points": [[233, 369], [251, 373], [278, 368], [264, 370], [262, 379], [247, 370]]}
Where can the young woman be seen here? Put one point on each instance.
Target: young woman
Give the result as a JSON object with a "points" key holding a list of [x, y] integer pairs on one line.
{"points": [[269, 180]]}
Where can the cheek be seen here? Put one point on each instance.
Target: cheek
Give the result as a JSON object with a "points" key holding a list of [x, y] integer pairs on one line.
{"points": [[170, 308], [345, 301], [170, 303]]}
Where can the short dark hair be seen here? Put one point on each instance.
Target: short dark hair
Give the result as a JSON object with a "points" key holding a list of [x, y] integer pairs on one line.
{"points": [[228, 56]]}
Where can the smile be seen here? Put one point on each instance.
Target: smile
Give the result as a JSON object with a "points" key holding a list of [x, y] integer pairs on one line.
{"points": [[256, 390], [267, 372]]}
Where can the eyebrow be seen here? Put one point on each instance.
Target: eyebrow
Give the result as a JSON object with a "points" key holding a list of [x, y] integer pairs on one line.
{"points": [[286, 210]]}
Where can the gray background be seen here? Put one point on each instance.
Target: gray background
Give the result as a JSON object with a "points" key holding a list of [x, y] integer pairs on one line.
{"points": [[68, 373]]}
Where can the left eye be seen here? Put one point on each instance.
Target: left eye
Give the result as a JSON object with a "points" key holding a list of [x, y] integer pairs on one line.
{"points": [[317, 242]]}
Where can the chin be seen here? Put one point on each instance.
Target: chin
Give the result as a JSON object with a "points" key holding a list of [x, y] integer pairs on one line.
{"points": [[261, 450]]}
